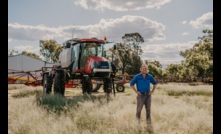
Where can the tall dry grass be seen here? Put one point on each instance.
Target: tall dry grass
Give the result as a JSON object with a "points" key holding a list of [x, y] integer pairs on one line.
{"points": [[83, 114]]}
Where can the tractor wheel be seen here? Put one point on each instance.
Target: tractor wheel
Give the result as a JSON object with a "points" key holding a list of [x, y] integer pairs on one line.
{"points": [[107, 85], [120, 88], [59, 83], [47, 83], [86, 85], [96, 87]]}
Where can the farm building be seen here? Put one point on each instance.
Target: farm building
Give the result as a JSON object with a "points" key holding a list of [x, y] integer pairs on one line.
{"points": [[24, 63]]}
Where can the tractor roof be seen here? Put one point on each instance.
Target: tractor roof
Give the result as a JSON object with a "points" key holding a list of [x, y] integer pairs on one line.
{"points": [[81, 40]]}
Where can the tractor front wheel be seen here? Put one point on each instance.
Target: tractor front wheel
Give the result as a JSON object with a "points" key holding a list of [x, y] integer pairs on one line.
{"points": [[47, 83], [59, 82]]}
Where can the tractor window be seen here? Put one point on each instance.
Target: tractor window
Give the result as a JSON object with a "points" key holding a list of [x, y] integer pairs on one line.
{"points": [[90, 49], [100, 51], [75, 56]]}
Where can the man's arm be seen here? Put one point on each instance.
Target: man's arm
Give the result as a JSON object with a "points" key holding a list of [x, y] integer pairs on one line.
{"points": [[137, 92], [154, 87]]}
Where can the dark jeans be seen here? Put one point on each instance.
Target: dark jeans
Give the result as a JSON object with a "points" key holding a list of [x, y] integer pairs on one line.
{"points": [[144, 99]]}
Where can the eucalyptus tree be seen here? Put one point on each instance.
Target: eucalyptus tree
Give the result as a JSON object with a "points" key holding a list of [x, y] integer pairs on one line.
{"points": [[50, 50]]}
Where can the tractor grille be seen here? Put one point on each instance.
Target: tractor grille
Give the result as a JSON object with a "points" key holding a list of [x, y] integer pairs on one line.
{"points": [[101, 74], [102, 65]]}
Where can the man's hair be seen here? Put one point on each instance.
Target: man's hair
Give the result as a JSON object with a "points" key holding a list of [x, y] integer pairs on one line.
{"points": [[144, 65]]}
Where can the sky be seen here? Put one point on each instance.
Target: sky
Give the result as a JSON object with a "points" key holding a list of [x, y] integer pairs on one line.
{"points": [[167, 26]]}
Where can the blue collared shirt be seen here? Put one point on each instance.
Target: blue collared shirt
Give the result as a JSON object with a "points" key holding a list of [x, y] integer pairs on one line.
{"points": [[143, 85]]}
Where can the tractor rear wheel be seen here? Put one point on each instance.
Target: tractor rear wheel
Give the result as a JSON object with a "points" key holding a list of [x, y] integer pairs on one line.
{"points": [[96, 87], [47, 83], [86, 85], [59, 82]]}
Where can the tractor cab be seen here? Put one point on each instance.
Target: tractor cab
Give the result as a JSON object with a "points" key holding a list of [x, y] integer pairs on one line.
{"points": [[85, 56]]}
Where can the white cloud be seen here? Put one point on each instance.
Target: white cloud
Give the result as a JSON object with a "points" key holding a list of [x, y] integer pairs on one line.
{"points": [[165, 53], [185, 33], [26, 32], [27, 48], [184, 22], [120, 5], [204, 21], [114, 29]]}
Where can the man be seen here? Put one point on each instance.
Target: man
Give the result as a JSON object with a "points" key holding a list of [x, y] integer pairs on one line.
{"points": [[142, 81]]}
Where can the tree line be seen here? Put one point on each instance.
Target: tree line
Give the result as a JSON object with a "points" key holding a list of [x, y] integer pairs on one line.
{"points": [[197, 63]]}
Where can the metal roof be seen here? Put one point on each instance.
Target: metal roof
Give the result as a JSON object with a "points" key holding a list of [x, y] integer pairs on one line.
{"points": [[22, 62]]}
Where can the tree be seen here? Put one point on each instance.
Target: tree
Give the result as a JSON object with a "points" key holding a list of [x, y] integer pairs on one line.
{"points": [[134, 64], [12, 52], [31, 55], [155, 70], [199, 59], [122, 55], [173, 70], [134, 40], [50, 50], [155, 62], [127, 57]]}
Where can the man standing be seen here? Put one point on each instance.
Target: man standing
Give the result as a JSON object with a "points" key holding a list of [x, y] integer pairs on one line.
{"points": [[142, 81]]}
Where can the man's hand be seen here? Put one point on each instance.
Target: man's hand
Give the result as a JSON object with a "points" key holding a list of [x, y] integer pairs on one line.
{"points": [[154, 86], [138, 93], [150, 92]]}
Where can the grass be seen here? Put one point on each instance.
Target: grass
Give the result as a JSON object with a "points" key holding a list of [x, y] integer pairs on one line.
{"points": [[26, 93], [15, 86], [179, 89], [85, 114]]}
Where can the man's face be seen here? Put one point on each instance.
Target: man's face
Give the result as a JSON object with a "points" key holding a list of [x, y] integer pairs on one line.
{"points": [[143, 70]]}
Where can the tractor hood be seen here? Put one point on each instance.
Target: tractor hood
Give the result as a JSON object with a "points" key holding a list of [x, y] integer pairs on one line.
{"points": [[97, 64]]}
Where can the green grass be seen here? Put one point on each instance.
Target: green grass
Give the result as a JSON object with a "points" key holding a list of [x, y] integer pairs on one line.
{"points": [[188, 93], [58, 103], [26, 93], [15, 86]]}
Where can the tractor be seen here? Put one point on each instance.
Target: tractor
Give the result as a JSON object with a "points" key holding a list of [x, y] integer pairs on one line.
{"points": [[82, 59]]}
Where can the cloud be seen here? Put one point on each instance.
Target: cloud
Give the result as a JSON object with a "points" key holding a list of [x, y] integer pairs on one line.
{"points": [[114, 29], [165, 53], [26, 32], [27, 48], [204, 21], [185, 33], [120, 5], [184, 22]]}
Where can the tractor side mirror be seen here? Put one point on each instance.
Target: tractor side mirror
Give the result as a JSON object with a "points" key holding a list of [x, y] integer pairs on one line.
{"points": [[115, 47]]}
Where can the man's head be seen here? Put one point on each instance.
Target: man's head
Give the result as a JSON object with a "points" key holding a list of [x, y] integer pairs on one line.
{"points": [[144, 69]]}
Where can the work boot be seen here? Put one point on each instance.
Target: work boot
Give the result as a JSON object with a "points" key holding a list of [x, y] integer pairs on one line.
{"points": [[150, 129], [138, 121], [148, 119]]}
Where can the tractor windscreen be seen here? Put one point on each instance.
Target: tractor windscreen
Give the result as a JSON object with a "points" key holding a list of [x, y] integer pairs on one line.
{"points": [[90, 49]]}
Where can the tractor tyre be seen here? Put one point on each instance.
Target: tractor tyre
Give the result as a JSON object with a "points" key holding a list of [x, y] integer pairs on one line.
{"points": [[120, 88], [107, 85], [59, 83], [47, 83], [96, 87], [86, 85]]}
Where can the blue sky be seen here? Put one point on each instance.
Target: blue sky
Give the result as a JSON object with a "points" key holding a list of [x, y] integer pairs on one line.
{"points": [[168, 26]]}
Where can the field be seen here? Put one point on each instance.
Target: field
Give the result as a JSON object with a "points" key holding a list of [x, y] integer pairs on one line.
{"points": [[176, 108]]}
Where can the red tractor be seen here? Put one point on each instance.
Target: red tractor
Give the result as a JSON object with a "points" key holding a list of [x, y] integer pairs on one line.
{"points": [[81, 59]]}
